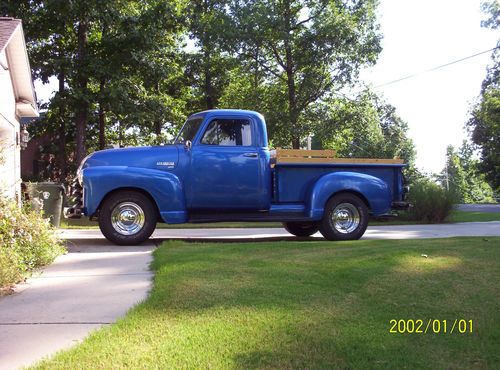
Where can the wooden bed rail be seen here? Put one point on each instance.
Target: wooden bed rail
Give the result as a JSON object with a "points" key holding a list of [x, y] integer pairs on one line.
{"points": [[325, 156]]}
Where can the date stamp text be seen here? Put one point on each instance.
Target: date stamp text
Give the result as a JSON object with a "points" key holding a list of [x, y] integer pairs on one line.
{"points": [[430, 326]]}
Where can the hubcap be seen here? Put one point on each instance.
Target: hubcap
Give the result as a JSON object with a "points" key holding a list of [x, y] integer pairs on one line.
{"points": [[127, 218], [345, 218]]}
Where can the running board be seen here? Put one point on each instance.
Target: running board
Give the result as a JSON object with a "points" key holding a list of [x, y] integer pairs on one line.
{"points": [[286, 212]]}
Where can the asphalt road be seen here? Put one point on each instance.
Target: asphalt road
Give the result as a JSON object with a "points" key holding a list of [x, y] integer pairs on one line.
{"points": [[488, 208]]}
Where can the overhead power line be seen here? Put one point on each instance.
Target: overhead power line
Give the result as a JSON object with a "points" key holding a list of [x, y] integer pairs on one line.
{"points": [[435, 68]]}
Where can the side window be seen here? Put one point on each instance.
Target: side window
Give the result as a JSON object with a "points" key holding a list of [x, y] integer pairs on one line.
{"points": [[228, 132]]}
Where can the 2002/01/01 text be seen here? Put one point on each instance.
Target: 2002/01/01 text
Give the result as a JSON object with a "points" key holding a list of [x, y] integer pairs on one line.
{"points": [[430, 326]]}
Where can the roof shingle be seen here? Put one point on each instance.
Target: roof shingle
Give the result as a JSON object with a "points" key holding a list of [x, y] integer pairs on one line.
{"points": [[7, 28]]}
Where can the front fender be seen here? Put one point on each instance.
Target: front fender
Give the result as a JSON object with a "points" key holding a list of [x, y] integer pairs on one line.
{"points": [[164, 187], [373, 189]]}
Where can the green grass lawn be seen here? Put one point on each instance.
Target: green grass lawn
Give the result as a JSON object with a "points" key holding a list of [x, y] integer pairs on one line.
{"points": [[307, 305], [456, 216], [462, 216]]}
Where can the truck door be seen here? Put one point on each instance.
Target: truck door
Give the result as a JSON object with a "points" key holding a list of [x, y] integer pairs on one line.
{"points": [[224, 171]]}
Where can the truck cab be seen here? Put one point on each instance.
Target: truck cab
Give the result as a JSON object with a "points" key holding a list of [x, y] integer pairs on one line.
{"points": [[226, 161], [220, 168]]}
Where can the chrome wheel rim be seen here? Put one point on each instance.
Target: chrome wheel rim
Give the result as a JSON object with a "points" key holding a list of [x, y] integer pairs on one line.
{"points": [[127, 218], [345, 218]]}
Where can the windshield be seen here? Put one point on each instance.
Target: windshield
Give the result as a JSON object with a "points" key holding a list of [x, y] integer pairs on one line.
{"points": [[189, 130]]}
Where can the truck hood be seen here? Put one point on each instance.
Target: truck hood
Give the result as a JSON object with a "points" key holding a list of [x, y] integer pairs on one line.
{"points": [[154, 157]]}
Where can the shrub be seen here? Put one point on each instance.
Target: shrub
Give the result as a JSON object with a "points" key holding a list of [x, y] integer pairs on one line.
{"points": [[431, 202], [27, 241]]}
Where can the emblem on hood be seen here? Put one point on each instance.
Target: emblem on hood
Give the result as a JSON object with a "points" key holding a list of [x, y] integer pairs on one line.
{"points": [[166, 164]]}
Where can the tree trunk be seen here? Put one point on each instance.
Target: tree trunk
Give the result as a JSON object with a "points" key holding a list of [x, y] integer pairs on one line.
{"points": [[209, 98], [120, 134], [290, 81], [209, 101], [82, 81], [62, 129], [292, 107], [102, 116], [157, 127], [102, 109], [157, 123], [102, 127]]}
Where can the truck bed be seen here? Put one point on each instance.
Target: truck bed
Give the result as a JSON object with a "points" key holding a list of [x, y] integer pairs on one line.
{"points": [[296, 171]]}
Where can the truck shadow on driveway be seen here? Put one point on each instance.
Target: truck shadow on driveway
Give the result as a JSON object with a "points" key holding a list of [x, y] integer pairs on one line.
{"points": [[81, 241], [159, 241]]}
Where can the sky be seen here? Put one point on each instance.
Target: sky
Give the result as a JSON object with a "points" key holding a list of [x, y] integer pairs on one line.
{"points": [[421, 35], [418, 36]]}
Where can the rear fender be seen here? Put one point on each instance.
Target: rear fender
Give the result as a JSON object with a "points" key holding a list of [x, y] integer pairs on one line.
{"points": [[164, 187], [371, 188]]}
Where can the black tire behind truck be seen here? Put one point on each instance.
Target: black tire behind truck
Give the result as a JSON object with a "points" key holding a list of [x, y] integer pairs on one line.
{"points": [[345, 218]]}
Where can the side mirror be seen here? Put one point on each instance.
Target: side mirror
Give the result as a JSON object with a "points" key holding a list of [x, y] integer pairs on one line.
{"points": [[188, 144]]}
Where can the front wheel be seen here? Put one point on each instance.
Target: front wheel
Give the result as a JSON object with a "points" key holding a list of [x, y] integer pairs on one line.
{"points": [[127, 218], [301, 228], [345, 218]]}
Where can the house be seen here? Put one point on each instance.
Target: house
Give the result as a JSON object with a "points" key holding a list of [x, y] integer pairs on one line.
{"points": [[17, 101]]}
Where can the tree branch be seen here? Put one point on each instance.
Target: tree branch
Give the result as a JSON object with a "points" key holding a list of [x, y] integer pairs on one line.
{"points": [[312, 98], [277, 56], [297, 25], [267, 68]]}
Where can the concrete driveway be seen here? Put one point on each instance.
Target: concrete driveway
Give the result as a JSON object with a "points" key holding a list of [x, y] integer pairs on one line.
{"points": [[93, 285], [253, 234], [96, 283]]}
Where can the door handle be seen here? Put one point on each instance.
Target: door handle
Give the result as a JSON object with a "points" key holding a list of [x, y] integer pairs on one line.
{"points": [[252, 155]]}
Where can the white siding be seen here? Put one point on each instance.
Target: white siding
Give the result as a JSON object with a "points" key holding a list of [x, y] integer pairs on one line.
{"points": [[10, 172]]}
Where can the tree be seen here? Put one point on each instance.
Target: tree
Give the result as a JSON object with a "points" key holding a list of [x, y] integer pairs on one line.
{"points": [[485, 129], [126, 77], [484, 124], [210, 27], [307, 49], [145, 92], [366, 126], [49, 40], [118, 64], [462, 178], [492, 8]]}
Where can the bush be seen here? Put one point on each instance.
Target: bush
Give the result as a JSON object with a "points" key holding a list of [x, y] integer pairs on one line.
{"points": [[27, 241], [431, 203]]}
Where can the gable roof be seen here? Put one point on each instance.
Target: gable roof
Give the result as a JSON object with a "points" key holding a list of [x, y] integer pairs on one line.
{"points": [[8, 27], [12, 43]]}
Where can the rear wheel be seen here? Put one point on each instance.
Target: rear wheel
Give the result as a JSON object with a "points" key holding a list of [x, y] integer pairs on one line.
{"points": [[127, 218], [301, 228], [345, 218]]}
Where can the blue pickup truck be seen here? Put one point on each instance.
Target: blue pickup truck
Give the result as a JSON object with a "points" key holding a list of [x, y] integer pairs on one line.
{"points": [[219, 168]]}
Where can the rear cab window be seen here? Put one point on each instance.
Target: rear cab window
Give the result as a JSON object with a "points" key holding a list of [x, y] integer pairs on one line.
{"points": [[228, 132]]}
